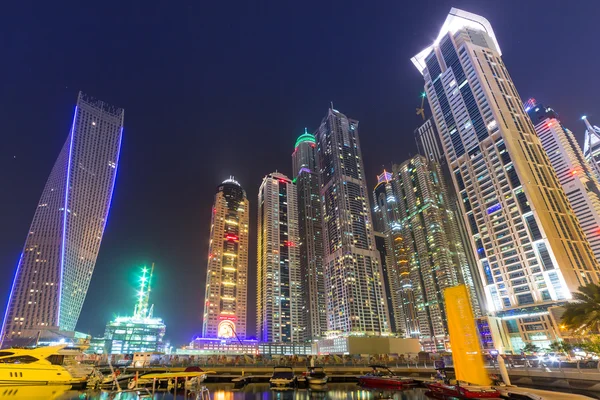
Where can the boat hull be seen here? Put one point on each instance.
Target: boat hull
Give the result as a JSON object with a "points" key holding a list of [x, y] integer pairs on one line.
{"points": [[316, 381], [36, 375], [383, 382], [462, 392], [279, 382]]}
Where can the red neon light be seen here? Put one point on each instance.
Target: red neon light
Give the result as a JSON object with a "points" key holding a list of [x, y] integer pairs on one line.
{"points": [[288, 243], [282, 181], [231, 237]]}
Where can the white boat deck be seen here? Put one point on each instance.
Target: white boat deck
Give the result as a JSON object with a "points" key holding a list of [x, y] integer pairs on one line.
{"points": [[538, 394]]}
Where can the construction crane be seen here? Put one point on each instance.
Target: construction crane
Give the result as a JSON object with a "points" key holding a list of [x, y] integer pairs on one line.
{"points": [[421, 110]]}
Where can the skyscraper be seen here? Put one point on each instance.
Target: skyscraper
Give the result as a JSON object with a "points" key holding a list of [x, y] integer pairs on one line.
{"points": [[353, 277], [396, 271], [306, 173], [531, 250], [574, 173], [428, 141], [279, 299], [390, 278], [591, 146], [58, 259], [227, 270], [437, 258]]}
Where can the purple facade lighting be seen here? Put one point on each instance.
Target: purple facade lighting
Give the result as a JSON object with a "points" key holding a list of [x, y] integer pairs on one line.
{"points": [[65, 211]]}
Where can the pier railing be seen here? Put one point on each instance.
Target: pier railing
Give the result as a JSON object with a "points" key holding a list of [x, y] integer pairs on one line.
{"points": [[403, 361]]}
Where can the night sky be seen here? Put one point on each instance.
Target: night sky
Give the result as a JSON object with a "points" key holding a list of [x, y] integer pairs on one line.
{"points": [[218, 88]]}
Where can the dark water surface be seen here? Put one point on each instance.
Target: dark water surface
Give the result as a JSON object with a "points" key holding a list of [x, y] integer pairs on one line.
{"points": [[220, 391]]}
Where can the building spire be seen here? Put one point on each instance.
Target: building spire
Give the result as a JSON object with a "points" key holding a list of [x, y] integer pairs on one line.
{"points": [[587, 124]]}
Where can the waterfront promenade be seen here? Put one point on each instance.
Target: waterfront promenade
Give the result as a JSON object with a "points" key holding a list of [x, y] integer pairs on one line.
{"points": [[523, 371]]}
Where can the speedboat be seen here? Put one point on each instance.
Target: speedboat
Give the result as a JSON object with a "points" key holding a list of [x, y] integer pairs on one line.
{"points": [[51, 365], [316, 376], [283, 377], [382, 377], [445, 387], [448, 390]]}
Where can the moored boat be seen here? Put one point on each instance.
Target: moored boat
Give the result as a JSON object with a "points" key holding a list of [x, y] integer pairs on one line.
{"points": [[382, 377], [316, 376], [51, 365], [189, 378], [283, 377], [456, 391], [448, 387]]}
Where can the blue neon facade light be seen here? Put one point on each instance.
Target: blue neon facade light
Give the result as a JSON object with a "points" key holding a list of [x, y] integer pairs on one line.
{"points": [[65, 211], [112, 187], [494, 208], [12, 289]]}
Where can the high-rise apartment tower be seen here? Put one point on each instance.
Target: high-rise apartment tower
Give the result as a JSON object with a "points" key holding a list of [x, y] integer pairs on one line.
{"points": [[396, 271], [58, 259], [227, 271], [280, 316], [436, 257], [353, 276], [574, 173], [306, 176], [531, 251]]}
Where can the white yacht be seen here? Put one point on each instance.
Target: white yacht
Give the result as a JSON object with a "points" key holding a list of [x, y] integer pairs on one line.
{"points": [[52, 365]]}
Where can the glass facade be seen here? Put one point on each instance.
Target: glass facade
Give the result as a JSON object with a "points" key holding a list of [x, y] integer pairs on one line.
{"points": [[280, 316], [128, 335]]}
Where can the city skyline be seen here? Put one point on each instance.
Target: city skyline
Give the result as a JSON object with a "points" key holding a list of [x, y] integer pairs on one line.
{"points": [[164, 192]]}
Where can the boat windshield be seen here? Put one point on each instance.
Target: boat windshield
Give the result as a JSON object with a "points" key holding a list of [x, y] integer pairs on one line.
{"points": [[381, 372], [283, 374], [56, 359], [18, 360]]}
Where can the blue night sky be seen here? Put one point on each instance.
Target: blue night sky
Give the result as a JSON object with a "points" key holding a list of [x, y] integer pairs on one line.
{"points": [[212, 89]]}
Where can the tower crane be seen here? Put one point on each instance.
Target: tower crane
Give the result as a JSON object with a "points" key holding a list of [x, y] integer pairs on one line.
{"points": [[421, 110]]}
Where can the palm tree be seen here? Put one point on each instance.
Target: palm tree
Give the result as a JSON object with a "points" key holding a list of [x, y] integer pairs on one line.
{"points": [[583, 314], [560, 346], [530, 348]]}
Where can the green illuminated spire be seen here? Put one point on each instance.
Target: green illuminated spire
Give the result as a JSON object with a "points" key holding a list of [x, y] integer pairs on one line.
{"points": [[305, 137], [143, 295]]}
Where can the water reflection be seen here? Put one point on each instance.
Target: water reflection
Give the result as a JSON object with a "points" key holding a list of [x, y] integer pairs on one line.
{"points": [[338, 391], [33, 392]]}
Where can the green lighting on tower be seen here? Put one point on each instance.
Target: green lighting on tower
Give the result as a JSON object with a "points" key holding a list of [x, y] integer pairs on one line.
{"points": [[305, 137]]}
